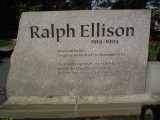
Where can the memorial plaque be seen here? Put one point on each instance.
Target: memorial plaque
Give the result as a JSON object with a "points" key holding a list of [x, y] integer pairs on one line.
{"points": [[84, 53]]}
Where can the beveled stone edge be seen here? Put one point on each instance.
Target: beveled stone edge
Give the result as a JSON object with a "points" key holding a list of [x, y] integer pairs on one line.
{"points": [[134, 98], [65, 109], [22, 100]]}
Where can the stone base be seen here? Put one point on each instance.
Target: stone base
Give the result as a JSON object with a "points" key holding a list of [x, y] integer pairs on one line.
{"points": [[71, 107], [153, 77]]}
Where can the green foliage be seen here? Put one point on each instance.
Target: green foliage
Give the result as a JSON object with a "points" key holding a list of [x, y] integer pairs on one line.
{"points": [[49, 5], [130, 4], [4, 43], [25, 7], [154, 50], [80, 4], [155, 16], [106, 4]]}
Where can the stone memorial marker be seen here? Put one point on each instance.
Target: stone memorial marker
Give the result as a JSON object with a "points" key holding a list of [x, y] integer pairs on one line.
{"points": [[80, 53]]}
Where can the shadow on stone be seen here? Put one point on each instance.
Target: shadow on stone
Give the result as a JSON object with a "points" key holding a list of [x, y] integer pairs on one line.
{"points": [[3, 96], [3, 54]]}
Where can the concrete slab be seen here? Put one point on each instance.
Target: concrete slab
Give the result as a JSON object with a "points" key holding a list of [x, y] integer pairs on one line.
{"points": [[72, 107], [153, 77], [39, 107], [113, 105]]}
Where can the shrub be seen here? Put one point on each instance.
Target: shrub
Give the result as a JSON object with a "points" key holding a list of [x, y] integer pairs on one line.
{"points": [[154, 51], [4, 43]]}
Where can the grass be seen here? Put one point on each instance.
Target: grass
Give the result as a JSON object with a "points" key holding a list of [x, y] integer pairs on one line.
{"points": [[4, 43], [154, 51]]}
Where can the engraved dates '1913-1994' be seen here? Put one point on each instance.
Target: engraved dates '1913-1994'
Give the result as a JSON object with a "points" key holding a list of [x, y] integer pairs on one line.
{"points": [[109, 41]]}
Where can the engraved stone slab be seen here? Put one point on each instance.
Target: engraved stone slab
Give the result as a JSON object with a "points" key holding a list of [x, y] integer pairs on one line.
{"points": [[70, 53]]}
